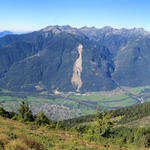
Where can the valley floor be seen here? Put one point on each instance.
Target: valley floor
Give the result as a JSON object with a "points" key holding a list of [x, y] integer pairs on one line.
{"points": [[71, 105]]}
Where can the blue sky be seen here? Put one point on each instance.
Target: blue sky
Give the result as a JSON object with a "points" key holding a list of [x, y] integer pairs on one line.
{"points": [[26, 15]]}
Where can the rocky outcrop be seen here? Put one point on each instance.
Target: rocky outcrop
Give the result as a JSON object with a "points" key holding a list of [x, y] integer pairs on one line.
{"points": [[77, 69]]}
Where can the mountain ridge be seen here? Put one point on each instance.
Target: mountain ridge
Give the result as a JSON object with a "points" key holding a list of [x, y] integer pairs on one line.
{"points": [[3, 33], [46, 58]]}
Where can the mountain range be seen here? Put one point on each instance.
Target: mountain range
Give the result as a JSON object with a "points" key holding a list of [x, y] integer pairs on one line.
{"points": [[67, 59], [3, 33]]}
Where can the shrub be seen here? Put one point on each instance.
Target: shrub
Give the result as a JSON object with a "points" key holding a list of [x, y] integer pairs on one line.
{"points": [[17, 145], [145, 141], [42, 119], [15, 117], [60, 125], [52, 124], [32, 143], [81, 128], [12, 135], [4, 113]]}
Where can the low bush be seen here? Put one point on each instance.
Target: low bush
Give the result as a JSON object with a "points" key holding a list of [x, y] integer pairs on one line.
{"points": [[32, 143], [42, 119], [17, 145]]}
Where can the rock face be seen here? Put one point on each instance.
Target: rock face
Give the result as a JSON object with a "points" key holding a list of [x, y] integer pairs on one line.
{"points": [[77, 70], [68, 59]]}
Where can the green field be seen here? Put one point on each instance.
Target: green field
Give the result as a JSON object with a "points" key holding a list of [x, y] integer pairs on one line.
{"points": [[76, 104]]}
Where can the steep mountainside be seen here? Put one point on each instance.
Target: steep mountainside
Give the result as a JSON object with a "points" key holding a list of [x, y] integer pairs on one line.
{"points": [[130, 50], [62, 58]]}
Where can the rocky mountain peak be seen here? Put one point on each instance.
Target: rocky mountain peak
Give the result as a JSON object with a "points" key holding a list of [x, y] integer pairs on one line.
{"points": [[57, 29]]}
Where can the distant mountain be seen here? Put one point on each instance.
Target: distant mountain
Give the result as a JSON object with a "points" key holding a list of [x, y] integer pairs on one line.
{"points": [[5, 33], [62, 58]]}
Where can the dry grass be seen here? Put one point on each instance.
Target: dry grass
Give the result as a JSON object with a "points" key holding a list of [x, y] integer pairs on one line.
{"points": [[28, 137], [16, 145], [143, 122], [4, 140], [31, 143]]}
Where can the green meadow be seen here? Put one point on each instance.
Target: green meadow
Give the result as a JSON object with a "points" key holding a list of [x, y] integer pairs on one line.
{"points": [[79, 104]]}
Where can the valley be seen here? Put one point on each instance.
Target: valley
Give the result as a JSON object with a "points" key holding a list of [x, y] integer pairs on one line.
{"points": [[62, 106], [75, 75]]}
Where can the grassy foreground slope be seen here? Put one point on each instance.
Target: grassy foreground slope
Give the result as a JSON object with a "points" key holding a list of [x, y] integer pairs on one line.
{"points": [[25, 131], [15, 135]]}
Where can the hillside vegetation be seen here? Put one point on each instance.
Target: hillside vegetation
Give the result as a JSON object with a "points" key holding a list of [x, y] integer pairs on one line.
{"points": [[127, 115], [18, 136], [25, 131]]}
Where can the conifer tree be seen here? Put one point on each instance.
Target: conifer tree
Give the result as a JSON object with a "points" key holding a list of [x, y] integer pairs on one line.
{"points": [[42, 119], [24, 112], [104, 122]]}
